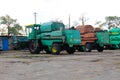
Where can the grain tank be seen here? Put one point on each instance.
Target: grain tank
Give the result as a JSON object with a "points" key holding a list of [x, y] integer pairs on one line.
{"points": [[52, 37]]}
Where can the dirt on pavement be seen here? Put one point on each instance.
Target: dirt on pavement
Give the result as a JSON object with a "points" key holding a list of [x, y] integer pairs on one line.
{"points": [[21, 65]]}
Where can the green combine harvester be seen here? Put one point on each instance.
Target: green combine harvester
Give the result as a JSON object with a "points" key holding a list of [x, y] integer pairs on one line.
{"points": [[102, 40], [114, 34], [52, 37]]}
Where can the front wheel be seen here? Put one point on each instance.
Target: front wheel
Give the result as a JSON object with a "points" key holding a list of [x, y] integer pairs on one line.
{"points": [[99, 49], [119, 46], [88, 47], [81, 49], [34, 47], [55, 49], [70, 50], [47, 50]]}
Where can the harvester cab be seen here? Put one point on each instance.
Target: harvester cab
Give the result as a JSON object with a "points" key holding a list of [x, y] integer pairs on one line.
{"points": [[32, 30]]}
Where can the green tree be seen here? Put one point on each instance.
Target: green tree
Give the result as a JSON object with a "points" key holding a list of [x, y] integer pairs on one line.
{"points": [[112, 21], [13, 27]]}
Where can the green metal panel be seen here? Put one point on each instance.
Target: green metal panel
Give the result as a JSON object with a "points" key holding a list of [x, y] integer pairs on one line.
{"points": [[114, 31], [103, 37], [49, 42], [56, 33], [114, 36], [50, 34], [115, 39], [73, 37], [51, 26], [32, 35]]}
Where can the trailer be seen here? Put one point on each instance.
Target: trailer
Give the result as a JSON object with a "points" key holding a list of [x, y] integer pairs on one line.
{"points": [[88, 37], [92, 38]]}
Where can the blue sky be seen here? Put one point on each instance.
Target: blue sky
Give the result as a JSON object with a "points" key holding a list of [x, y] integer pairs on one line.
{"points": [[47, 10]]}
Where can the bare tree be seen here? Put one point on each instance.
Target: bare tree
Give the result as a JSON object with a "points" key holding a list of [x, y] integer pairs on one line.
{"points": [[83, 19]]}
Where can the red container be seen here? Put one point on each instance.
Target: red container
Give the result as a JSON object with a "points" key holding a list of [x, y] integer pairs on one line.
{"points": [[85, 28], [87, 33], [98, 29], [90, 35]]}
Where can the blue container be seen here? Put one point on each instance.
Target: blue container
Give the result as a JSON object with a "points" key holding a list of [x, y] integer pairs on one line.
{"points": [[4, 44]]}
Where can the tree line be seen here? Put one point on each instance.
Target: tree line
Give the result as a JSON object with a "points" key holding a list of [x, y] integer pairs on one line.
{"points": [[12, 27], [110, 22]]}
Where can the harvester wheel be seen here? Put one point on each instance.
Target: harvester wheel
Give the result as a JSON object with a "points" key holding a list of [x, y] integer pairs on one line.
{"points": [[119, 46], [99, 49], [70, 50], [88, 47], [80, 49], [47, 51], [55, 49], [34, 48]]}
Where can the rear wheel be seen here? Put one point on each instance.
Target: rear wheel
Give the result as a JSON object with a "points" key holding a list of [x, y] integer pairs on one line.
{"points": [[70, 50], [112, 47], [99, 48], [119, 46], [34, 47], [88, 47], [55, 49], [80, 49]]}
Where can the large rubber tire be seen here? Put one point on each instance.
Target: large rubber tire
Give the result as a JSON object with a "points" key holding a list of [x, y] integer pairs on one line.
{"points": [[112, 47], [47, 51], [100, 49], [119, 46], [88, 47], [70, 50], [33, 48], [55, 49], [80, 49]]}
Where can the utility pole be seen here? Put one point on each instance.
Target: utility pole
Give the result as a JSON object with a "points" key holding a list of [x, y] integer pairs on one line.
{"points": [[35, 16], [69, 21], [83, 20]]}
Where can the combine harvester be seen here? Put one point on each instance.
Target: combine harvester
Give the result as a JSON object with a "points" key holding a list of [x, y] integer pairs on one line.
{"points": [[52, 37]]}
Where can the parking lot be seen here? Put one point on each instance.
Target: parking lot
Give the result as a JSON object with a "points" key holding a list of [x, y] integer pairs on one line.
{"points": [[21, 65]]}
